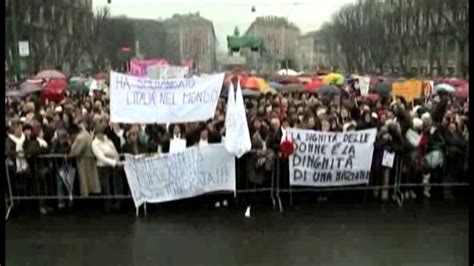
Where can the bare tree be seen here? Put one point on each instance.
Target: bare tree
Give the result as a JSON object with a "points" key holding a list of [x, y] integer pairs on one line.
{"points": [[373, 34]]}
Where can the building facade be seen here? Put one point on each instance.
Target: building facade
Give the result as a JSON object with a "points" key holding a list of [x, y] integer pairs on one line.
{"points": [[311, 53], [150, 38], [191, 37], [280, 38]]}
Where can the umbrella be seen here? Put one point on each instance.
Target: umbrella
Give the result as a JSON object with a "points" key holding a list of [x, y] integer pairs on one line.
{"points": [[251, 83], [455, 82], [293, 88], [384, 89], [77, 87], [334, 78], [53, 90], [15, 94], [305, 80], [329, 91], [314, 85], [250, 93], [288, 80], [27, 88], [77, 80], [55, 86], [444, 87], [276, 85], [462, 92], [287, 72], [50, 74], [34, 81]]}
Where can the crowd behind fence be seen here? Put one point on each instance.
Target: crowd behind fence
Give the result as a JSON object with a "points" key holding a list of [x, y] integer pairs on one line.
{"points": [[53, 178]]}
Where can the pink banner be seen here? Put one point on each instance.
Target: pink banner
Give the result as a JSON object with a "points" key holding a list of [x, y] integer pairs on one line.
{"points": [[138, 67]]}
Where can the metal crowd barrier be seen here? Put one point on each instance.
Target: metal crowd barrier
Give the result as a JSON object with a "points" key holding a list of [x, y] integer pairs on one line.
{"points": [[284, 187], [47, 179], [54, 177]]}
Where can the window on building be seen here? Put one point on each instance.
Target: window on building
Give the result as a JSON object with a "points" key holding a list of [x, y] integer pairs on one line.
{"points": [[450, 71]]}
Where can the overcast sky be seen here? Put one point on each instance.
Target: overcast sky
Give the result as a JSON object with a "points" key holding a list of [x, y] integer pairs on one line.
{"points": [[308, 15]]}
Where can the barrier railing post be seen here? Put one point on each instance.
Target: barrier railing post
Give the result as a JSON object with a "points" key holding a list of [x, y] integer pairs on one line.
{"points": [[278, 183], [272, 186], [8, 205]]}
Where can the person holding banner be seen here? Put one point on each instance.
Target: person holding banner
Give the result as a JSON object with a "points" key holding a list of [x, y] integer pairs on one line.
{"points": [[132, 144]]}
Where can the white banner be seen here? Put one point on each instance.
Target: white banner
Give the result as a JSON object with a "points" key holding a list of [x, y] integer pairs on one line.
{"points": [[331, 159], [23, 48], [167, 72], [148, 101], [190, 173], [364, 85]]}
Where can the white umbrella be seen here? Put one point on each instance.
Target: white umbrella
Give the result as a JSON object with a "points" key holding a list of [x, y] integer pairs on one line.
{"points": [[287, 72], [444, 87]]}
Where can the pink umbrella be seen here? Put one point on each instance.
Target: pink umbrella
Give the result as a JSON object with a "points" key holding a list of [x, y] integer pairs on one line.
{"points": [[314, 85], [50, 74], [462, 92], [27, 88]]}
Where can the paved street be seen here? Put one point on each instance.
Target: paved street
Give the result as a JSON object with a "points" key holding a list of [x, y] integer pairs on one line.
{"points": [[328, 234]]}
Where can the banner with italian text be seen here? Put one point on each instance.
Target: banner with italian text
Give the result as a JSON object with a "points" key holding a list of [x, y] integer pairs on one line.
{"points": [[149, 101], [192, 172], [324, 159]]}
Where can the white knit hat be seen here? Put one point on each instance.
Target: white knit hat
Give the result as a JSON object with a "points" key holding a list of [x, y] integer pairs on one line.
{"points": [[426, 116], [417, 123]]}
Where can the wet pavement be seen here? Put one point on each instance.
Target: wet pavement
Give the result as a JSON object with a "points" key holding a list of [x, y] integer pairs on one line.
{"points": [[325, 234]]}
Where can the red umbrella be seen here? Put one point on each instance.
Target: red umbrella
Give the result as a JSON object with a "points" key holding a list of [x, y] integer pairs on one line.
{"points": [[456, 82], [251, 83], [50, 74], [371, 97], [314, 85], [462, 92], [305, 80], [54, 90]]}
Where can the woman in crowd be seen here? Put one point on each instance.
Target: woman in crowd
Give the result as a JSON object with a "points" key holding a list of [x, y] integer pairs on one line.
{"points": [[132, 144], [107, 159], [441, 124]]}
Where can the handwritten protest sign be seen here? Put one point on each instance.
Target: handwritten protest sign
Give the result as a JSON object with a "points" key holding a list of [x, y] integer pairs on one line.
{"points": [[190, 173], [410, 89], [144, 100], [364, 85], [331, 159]]}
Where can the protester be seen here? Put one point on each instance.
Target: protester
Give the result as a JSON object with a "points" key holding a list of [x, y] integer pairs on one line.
{"points": [[429, 138], [81, 149], [107, 159]]}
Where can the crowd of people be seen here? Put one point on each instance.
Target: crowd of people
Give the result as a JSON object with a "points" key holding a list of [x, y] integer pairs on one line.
{"points": [[428, 136]]}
